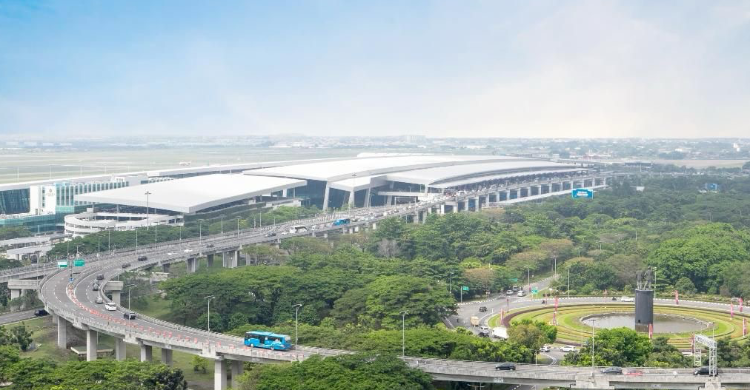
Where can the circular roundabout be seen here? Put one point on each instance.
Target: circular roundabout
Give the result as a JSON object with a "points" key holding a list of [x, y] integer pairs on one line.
{"points": [[678, 324]]}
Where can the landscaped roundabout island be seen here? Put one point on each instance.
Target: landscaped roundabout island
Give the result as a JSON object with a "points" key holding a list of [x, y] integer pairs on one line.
{"points": [[678, 323]]}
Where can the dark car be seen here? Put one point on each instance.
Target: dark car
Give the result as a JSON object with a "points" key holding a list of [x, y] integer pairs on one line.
{"points": [[129, 315], [612, 371], [505, 367], [210, 246], [40, 312], [100, 277], [126, 265], [142, 258], [703, 371], [482, 309], [272, 234]]}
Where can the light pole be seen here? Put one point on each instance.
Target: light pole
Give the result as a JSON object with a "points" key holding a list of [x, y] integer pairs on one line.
{"points": [[238, 226], [296, 321], [528, 279], [130, 287], [403, 332], [208, 317], [147, 221], [568, 281], [654, 282], [593, 336]]}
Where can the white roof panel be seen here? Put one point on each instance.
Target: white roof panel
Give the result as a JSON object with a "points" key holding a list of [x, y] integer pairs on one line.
{"points": [[193, 194], [432, 176], [370, 166]]}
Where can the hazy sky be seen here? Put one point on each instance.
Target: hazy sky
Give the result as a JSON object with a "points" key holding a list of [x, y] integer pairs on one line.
{"points": [[440, 68]]}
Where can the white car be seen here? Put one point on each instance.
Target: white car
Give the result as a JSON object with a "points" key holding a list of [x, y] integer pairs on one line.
{"points": [[188, 250], [568, 348], [521, 293], [627, 299], [110, 306], [545, 348]]}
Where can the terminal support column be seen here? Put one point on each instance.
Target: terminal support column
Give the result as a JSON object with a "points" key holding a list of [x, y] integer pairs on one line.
{"points": [[119, 349], [210, 260]]}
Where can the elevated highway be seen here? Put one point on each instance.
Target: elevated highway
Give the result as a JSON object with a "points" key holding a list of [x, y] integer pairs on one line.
{"points": [[71, 300]]}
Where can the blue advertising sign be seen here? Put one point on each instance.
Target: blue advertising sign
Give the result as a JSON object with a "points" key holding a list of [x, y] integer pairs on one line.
{"points": [[582, 193]]}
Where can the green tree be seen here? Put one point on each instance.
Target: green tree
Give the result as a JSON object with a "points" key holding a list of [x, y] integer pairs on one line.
{"points": [[359, 371], [613, 347]]}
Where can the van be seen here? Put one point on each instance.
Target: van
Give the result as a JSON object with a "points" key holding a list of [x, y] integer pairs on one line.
{"points": [[100, 277]]}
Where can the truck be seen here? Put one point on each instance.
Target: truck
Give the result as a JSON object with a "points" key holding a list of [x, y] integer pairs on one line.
{"points": [[474, 321]]}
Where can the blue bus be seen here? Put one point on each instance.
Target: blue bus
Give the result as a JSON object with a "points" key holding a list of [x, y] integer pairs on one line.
{"points": [[341, 221], [268, 340]]}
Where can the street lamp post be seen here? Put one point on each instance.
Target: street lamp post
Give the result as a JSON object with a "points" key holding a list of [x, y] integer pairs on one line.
{"points": [[147, 220], [403, 332], [296, 321], [593, 336], [130, 287], [208, 317]]}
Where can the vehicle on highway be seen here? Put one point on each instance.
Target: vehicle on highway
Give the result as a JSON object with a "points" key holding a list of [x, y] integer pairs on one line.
{"points": [[484, 330], [100, 277], [474, 321], [298, 229], [126, 265], [521, 293], [142, 258], [703, 371], [110, 306], [210, 246], [40, 312], [188, 250], [612, 371], [627, 299], [545, 348], [482, 309], [515, 288], [99, 300], [342, 221], [95, 287], [568, 348], [129, 315], [271, 234], [506, 366], [509, 292], [267, 340]]}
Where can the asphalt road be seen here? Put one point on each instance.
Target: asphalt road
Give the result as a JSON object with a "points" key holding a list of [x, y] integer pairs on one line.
{"points": [[18, 316]]}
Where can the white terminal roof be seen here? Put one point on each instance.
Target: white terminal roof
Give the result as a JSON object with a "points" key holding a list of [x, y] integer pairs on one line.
{"points": [[193, 194], [369, 166], [434, 176]]}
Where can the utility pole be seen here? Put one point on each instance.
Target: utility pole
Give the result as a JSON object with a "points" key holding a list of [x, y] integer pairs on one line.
{"points": [[296, 322], [403, 332], [147, 220], [208, 317]]}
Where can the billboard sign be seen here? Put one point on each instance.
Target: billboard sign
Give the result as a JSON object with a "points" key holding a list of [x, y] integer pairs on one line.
{"points": [[62, 264], [79, 263], [582, 193]]}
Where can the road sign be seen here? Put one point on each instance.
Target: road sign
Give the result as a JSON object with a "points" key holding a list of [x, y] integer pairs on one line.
{"points": [[582, 193], [465, 288], [79, 263], [62, 264], [514, 280], [534, 290]]}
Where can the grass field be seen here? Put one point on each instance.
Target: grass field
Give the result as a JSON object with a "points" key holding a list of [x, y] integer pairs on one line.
{"points": [[571, 330]]}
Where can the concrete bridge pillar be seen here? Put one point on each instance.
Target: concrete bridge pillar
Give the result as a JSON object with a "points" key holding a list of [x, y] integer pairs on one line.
{"points": [[529, 191], [120, 349], [165, 268], [374, 227], [210, 260], [192, 265], [15, 293], [62, 332], [166, 356], [234, 259], [712, 385], [441, 211], [220, 374], [237, 369], [477, 203], [54, 318], [92, 342], [116, 297], [146, 353], [487, 199]]}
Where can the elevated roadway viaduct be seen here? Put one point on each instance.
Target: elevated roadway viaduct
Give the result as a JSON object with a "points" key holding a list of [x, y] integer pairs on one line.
{"points": [[72, 303]]}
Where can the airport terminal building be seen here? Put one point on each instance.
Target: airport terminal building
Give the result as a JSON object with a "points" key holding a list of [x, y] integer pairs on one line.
{"points": [[125, 201]]}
